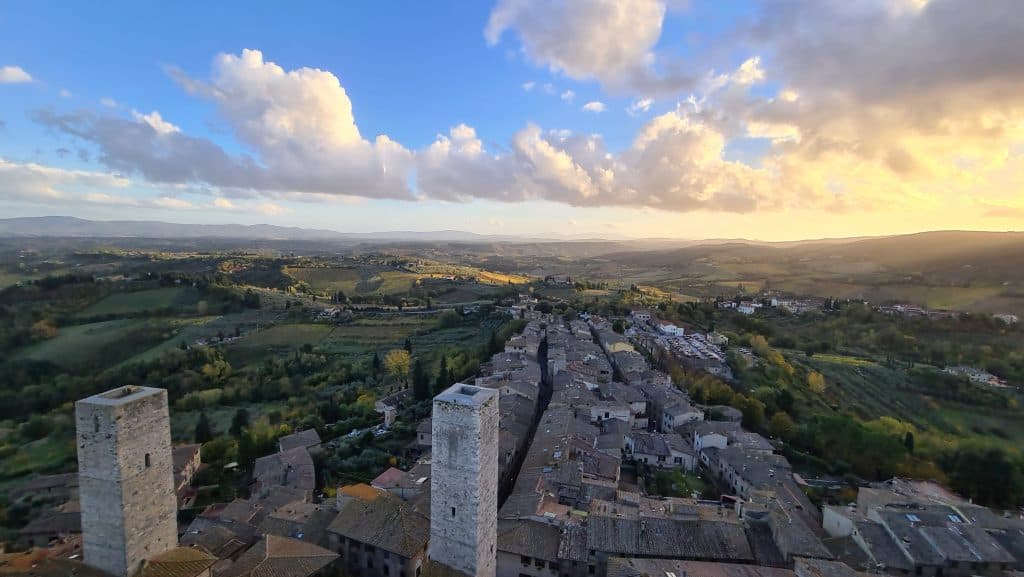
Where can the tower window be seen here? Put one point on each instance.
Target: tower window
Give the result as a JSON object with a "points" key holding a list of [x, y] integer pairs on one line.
{"points": [[453, 512], [95, 423], [147, 460]]}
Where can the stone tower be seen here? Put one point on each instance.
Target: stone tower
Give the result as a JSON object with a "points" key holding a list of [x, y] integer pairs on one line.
{"points": [[464, 480], [126, 478]]}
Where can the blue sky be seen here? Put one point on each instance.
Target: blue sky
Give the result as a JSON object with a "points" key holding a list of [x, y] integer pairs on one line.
{"points": [[729, 145]]}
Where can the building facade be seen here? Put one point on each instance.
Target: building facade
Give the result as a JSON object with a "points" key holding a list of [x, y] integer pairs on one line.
{"points": [[464, 482], [126, 478]]}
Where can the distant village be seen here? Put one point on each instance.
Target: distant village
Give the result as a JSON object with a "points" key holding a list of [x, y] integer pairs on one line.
{"points": [[528, 469]]}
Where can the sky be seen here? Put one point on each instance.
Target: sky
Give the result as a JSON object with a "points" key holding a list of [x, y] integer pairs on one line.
{"points": [[762, 119]]}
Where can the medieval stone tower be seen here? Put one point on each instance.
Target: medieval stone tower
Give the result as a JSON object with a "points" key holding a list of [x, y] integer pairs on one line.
{"points": [[126, 479], [464, 480]]}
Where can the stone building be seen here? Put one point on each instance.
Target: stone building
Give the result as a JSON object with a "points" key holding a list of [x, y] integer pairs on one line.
{"points": [[126, 479], [464, 485]]}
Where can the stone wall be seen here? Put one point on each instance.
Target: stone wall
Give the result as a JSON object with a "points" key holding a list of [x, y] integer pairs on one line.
{"points": [[126, 477], [464, 480]]}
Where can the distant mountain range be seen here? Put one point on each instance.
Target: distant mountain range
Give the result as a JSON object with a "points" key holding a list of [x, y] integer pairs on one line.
{"points": [[913, 247], [67, 226]]}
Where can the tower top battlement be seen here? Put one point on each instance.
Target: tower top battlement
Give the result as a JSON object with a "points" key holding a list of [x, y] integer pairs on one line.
{"points": [[469, 395], [121, 396]]}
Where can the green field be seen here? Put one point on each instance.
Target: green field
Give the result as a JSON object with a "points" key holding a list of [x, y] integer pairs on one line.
{"points": [[98, 345], [293, 335], [133, 303], [39, 457], [870, 391], [354, 281]]}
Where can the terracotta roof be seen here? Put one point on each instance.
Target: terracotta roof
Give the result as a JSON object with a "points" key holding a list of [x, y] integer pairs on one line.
{"points": [[530, 538], [54, 523], [361, 491], [55, 568], [305, 439], [183, 454], [178, 562], [385, 521], [629, 567], [275, 556]]}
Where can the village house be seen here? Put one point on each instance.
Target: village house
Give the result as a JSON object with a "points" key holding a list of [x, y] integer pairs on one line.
{"points": [[187, 460], [376, 534]]}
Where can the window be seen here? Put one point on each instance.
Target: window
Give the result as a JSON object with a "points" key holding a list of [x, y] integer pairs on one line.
{"points": [[539, 563], [453, 512], [524, 559], [95, 424], [147, 460]]}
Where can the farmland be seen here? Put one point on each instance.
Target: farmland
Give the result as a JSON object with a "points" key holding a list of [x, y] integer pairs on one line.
{"points": [[140, 302]]}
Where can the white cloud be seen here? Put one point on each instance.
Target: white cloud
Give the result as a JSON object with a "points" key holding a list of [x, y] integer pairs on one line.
{"points": [[750, 72], [108, 102], [594, 106], [298, 123], [221, 202], [172, 203], [65, 93], [675, 163], [37, 183], [156, 122], [528, 86], [14, 75], [568, 96], [607, 40], [640, 105], [271, 209]]}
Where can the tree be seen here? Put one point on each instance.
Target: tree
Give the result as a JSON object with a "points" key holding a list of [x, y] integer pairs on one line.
{"points": [[246, 450], [908, 442], [420, 382], [619, 326], [442, 376], [985, 474], [494, 345], [44, 329], [816, 382], [408, 346], [239, 422], [781, 426], [375, 363], [204, 433], [397, 363]]}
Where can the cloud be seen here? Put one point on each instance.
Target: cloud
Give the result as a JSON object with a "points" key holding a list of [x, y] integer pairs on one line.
{"points": [[528, 86], [156, 122], [14, 75], [568, 96], [639, 105], [676, 163], [611, 41], [31, 182], [172, 203], [65, 94], [593, 106], [926, 110], [299, 125], [924, 115], [108, 102]]}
